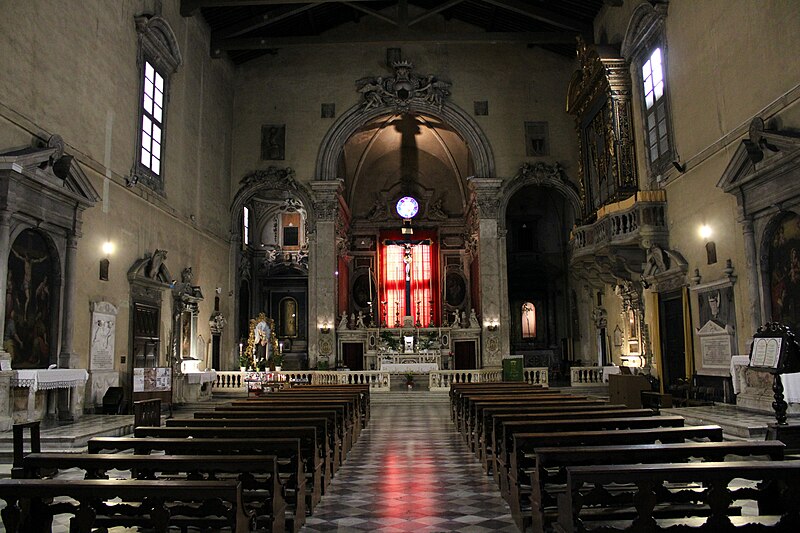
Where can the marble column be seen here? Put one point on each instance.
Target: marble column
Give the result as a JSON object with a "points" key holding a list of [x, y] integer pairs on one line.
{"points": [[324, 263], [68, 410], [487, 199], [751, 262]]}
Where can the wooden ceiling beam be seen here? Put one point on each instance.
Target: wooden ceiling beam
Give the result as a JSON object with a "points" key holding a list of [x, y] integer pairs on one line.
{"points": [[435, 10], [543, 15], [255, 43], [254, 23], [372, 13]]}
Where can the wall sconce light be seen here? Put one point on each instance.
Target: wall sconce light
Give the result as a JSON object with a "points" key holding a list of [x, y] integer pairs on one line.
{"points": [[493, 325], [108, 249], [704, 231], [325, 328]]}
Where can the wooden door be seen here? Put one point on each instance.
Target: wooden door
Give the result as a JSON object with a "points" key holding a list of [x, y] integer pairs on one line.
{"points": [[673, 348], [464, 355], [353, 355]]}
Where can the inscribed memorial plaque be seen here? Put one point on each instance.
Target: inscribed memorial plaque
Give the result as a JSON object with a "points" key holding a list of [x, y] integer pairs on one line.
{"points": [[104, 324]]}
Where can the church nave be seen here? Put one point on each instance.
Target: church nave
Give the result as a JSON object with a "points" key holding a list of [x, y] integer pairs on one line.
{"points": [[411, 471]]}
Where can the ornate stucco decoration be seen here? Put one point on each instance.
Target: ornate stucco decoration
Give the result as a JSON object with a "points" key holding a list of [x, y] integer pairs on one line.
{"points": [[158, 42], [405, 88], [599, 96], [217, 323], [272, 178], [664, 269]]}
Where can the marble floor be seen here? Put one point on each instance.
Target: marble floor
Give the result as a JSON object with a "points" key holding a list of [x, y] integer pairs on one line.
{"points": [[411, 471]]}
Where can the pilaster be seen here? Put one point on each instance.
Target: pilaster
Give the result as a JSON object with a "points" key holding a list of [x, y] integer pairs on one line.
{"points": [[323, 269], [486, 193]]}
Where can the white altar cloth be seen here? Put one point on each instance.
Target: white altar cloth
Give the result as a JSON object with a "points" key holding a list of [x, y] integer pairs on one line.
{"points": [[46, 379], [207, 376], [738, 360], [409, 368]]}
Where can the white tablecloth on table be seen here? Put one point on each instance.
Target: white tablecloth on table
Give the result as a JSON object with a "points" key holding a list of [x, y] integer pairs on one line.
{"points": [[45, 379], [207, 376], [409, 368]]}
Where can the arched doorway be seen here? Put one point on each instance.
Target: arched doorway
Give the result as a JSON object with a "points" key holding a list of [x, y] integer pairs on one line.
{"points": [[537, 221]]}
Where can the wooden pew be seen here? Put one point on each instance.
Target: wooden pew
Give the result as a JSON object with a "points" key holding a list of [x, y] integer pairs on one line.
{"points": [[524, 445], [262, 490], [311, 442], [348, 405], [467, 421], [324, 429], [485, 424], [459, 392], [293, 465], [531, 422], [776, 491], [335, 418], [464, 404], [362, 392], [507, 429], [210, 504], [548, 475]]}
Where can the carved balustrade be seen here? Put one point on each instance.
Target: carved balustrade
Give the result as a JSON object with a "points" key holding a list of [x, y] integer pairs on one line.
{"points": [[641, 217], [441, 380], [585, 376]]}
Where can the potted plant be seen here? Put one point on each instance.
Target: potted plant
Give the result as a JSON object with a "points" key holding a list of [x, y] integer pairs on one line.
{"points": [[277, 360], [410, 381], [243, 362]]}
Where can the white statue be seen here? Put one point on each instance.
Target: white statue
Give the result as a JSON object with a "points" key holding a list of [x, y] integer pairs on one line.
{"points": [[473, 319], [360, 321], [343, 321]]}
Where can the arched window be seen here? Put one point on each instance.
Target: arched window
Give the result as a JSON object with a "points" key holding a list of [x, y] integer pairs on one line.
{"points": [[528, 321]]}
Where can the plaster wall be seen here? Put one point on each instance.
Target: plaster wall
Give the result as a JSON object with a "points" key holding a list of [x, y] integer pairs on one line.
{"points": [[728, 61], [74, 72], [520, 84]]}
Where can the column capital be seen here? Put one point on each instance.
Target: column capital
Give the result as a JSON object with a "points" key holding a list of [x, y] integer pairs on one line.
{"points": [[326, 198], [486, 194]]}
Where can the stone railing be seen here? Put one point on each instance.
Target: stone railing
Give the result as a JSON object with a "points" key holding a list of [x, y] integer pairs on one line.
{"points": [[229, 380], [421, 357], [585, 376], [441, 380], [536, 376], [377, 381], [622, 223]]}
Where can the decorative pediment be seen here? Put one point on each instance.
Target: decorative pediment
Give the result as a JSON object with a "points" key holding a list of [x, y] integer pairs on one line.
{"points": [[402, 90], [714, 328], [272, 178], [51, 169], [158, 43], [757, 172], [151, 268]]}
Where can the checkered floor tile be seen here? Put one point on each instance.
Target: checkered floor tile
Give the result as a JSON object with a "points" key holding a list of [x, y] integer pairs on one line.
{"points": [[411, 471]]}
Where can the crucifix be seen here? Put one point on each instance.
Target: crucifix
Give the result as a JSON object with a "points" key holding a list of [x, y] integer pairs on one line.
{"points": [[407, 245]]}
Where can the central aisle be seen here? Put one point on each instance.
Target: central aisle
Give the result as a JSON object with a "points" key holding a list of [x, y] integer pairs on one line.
{"points": [[411, 471]]}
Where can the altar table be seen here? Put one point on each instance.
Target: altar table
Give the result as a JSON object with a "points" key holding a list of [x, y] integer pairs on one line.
{"points": [[409, 368], [48, 379]]}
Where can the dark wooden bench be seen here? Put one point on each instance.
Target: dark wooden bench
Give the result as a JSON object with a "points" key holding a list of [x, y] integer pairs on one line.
{"points": [[460, 392], [775, 488], [147, 412], [548, 475], [335, 418], [464, 407], [161, 504], [506, 429], [324, 427], [492, 432], [348, 407], [525, 444], [360, 393], [261, 484], [484, 411], [293, 465], [469, 418]]}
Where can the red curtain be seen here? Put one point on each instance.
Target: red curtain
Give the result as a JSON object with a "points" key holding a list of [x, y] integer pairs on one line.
{"points": [[424, 279]]}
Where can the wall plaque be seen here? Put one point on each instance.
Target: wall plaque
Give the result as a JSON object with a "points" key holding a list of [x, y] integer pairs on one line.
{"points": [[104, 324]]}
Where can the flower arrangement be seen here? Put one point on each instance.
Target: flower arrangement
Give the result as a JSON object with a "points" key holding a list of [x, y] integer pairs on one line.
{"points": [[391, 342]]}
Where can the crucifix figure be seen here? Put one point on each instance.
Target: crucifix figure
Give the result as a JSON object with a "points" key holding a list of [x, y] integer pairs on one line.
{"points": [[407, 245]]}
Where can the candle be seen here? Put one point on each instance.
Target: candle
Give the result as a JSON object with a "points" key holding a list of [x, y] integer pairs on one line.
{"points": [[369, 281]]}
